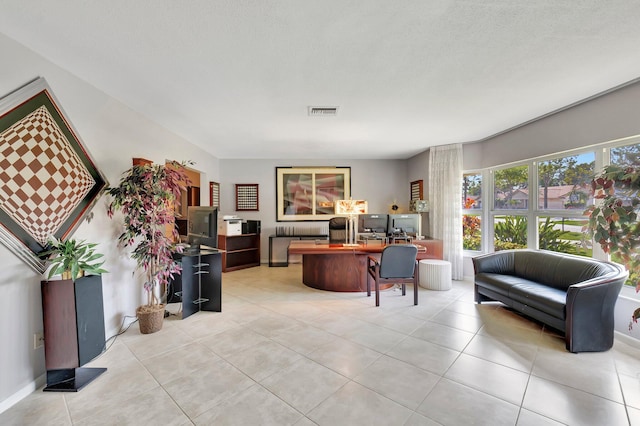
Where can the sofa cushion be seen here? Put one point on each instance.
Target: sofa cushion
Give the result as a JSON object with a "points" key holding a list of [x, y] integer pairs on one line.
{"points": [[556, 269], [499, 283], [536, 266], [542, 297], [570, 271]]}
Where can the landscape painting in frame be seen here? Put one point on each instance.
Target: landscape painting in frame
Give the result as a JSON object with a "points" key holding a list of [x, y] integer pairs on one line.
{"points": [[48, 181], [310, 193]]}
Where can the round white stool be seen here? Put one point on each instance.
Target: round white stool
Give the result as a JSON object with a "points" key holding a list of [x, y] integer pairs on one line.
{"points": [[435, 274]]}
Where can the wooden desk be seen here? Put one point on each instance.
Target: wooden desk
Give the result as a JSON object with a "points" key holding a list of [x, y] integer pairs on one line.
{"points": [[334, 267]]}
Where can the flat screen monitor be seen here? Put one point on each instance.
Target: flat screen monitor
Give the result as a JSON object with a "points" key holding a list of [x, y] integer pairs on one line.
{"points": [[202, 226], [404, 224], [372, 223]]}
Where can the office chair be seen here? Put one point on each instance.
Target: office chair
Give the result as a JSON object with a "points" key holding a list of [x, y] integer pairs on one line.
{"points": [[397, 265], [337, 230]]}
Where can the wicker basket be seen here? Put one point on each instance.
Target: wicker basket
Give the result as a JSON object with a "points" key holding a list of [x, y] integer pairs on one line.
{"points": [[150, 318]]}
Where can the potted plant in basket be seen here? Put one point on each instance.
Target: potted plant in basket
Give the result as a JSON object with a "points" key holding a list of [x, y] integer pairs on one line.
{"points": [[147, 195], [615, 222]]}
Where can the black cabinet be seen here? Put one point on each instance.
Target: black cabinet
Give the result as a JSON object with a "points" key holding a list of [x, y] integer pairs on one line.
{"points": [[199, 287], [74, 334]]}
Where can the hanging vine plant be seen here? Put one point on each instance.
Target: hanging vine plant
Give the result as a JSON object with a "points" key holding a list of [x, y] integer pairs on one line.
{"points": [[614, 221]]}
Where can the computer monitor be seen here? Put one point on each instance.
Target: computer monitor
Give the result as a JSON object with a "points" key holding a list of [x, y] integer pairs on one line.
{"points": [[202, 226], [404, 224], [375, 223]]}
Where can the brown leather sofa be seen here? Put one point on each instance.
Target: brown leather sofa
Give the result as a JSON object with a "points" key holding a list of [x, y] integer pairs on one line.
{"points": [[575, 295]]}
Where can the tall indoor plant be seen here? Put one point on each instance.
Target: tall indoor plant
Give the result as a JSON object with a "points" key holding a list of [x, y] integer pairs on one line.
{"points": [[615, 220], [147, 195]]}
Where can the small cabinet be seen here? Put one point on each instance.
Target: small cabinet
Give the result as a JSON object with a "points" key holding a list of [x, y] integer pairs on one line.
{"points": [[239, 251], [74, 334], [199, 286]]}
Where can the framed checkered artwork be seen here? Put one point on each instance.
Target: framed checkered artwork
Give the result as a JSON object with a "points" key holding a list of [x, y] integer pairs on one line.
{"points": [[247, 197], [416, 190], [214, 194], [48, 181]]}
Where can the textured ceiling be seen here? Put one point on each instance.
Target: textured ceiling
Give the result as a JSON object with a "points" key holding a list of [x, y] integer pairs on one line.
{"points": [[236, 76]]}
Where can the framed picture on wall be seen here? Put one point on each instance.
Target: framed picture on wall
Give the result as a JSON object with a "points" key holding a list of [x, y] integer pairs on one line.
{"points": [[247, 197], [309, 193], [214, 194], [48, 180], [416, 190]]}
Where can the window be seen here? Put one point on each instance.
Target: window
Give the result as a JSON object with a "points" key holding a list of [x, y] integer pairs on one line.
{"points": [[471, 211], [538, 203], [563, 182], [511, 188], [626, 155], [563, 234], [509, 232]]}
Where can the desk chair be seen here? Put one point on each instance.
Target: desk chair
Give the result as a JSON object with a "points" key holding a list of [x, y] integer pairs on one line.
{"points": [[397, 265], [337, 230]]}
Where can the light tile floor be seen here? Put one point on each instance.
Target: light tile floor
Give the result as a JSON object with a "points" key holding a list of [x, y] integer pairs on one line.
{"points": [[281, 353]]}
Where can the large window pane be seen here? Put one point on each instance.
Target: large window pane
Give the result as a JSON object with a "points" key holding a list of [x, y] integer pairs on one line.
{"points": [[563, 235], [563, 183], [626, 155], [471, 232], [471, 191], [510, 232], [510, 188]]}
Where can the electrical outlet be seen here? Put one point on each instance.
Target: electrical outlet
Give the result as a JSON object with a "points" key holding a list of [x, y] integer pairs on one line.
{"points": [[38, 340]]}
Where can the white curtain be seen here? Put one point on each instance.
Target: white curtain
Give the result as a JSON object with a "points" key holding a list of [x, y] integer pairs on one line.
{"points": [[445, 195]]}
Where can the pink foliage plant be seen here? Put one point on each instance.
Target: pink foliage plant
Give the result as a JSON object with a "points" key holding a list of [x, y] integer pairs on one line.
{"points": [[147, 195]]}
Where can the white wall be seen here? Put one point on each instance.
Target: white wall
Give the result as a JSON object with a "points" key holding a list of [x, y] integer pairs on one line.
{"points": [[603, 119], [113, 134], [379, 182]]}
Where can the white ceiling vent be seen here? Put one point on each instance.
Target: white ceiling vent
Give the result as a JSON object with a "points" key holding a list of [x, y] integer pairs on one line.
{"points": [[315, 111]]}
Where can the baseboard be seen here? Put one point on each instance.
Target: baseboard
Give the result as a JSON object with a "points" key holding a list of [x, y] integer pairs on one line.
{"points": [[629, 340], [23, 393]]}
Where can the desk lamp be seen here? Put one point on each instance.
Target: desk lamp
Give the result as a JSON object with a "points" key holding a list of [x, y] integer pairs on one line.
{"points": [[419, 206], [351, 208]]}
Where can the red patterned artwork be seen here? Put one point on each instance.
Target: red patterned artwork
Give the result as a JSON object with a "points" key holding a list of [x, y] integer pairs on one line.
{"points": [[48, 181], [42, 177]]}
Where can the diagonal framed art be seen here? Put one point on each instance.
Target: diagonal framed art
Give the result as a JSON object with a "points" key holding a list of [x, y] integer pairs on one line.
{"points": [[48, 180]]}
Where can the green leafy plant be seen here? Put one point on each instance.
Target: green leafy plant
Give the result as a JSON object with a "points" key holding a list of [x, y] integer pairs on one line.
{"points": [[147, 195], [551, 238], [471, 237], [74, 258], [510, 233], [614, 220]]}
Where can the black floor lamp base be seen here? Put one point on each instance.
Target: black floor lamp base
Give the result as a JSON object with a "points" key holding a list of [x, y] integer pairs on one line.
{"points": [[71, 379]]}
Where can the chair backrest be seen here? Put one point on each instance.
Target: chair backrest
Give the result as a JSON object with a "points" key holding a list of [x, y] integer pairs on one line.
{"points": [[337, 230], [398, 261]]}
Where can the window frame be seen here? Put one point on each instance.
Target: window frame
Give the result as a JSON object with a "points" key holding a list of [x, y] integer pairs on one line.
{"points": [[481, 212]]}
